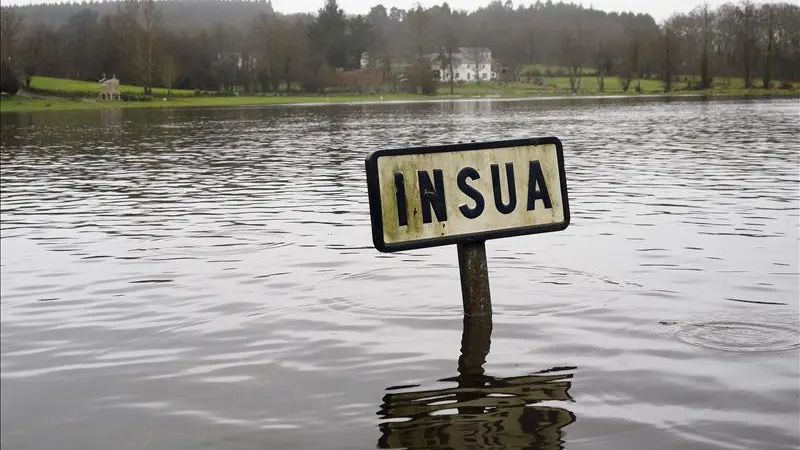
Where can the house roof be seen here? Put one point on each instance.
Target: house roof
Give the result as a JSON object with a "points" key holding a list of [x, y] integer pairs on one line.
{"points": [[472, 50], [465, 55]]}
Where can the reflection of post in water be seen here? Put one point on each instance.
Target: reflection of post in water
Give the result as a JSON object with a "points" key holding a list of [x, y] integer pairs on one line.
{"points": [[480, 410]]}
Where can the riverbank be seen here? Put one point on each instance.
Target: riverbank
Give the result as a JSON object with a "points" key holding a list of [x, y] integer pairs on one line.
{"points": [[30, 103]]}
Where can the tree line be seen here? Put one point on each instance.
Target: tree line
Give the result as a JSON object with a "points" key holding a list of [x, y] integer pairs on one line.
{"points": [[259, 50]]}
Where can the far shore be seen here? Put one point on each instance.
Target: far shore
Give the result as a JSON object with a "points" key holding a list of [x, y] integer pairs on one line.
{"points": [[35, 104]]}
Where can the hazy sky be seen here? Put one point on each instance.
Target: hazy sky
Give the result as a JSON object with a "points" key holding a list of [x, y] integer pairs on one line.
{"points": [[659, 9]]}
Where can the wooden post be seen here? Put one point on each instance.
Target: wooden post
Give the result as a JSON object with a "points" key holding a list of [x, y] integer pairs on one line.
{"points": [[475, 343], [474, 278]]}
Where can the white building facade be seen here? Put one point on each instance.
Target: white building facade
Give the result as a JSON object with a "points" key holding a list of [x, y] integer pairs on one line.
{"points": [[470, 65]]}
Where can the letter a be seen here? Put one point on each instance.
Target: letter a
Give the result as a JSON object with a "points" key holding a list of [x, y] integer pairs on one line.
{"points": [[536, 178]]}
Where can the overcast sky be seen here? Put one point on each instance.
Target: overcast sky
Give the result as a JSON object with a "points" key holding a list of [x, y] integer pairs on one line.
{"points": [[659, 9]]}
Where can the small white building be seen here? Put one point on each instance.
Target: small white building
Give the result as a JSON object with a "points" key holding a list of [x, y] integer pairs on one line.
{"points": [[470, 64]]}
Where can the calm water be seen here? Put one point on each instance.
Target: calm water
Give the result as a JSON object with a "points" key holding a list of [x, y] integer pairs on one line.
{"points": [[205, 279]]}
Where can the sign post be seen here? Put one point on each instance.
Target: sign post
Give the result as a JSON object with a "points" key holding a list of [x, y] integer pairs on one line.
{"points": [[465, 194], [474, 278]]}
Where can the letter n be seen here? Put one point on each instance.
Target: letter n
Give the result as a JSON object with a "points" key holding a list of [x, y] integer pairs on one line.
{"points": [[431, 195]]}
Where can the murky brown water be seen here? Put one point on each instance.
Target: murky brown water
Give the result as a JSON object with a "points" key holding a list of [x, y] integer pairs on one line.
{"points": [[198, 279]]}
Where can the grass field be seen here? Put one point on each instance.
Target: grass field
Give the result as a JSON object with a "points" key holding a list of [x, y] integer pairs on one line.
{"points": [[72, 94], [62, 85], [62, 104], [589, 86], [550, 86]]}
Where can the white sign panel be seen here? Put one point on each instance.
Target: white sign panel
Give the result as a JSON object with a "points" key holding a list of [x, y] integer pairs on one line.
{"points": [[428, 196]]}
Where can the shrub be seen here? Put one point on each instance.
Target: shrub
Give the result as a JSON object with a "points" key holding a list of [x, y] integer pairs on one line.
{"points": [[421, 78], [786, 85], [9, 83], [128, 97]]}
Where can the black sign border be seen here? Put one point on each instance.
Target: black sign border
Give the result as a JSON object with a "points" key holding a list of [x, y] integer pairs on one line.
{"points": [[376, 214]]}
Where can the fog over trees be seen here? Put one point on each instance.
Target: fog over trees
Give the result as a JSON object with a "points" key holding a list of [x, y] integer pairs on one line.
{"points": [[246, 46]]}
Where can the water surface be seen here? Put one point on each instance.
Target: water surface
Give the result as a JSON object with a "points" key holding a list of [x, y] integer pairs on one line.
{"points": [[205, 278]]}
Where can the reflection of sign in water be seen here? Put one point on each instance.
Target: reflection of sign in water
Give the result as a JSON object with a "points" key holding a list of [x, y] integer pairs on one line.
{"points": [[421, 197], [481, 412]]}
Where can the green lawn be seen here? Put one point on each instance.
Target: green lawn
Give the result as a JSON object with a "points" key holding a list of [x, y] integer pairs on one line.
{"points": [[589, 86], [66, 86], [60, 104], [72, 94], [553, 69], [550, 86]]}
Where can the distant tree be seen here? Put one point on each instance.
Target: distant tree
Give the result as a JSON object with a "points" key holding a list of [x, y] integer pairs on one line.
{"points": [[299, 56], [170, 72], [327, 35], [305, 51], [11, 27], [381, 49], [81, 38], [573, 53], [418, 21], [747, 39], [421, 79], [603, 62], [787, 41], [41, 49], [477, 59], [138, 27], [768, 16], [109, 56], [705, 17], [9, 83], [449, 47], [629, 65], [226, 57], [268, 41], [670, 52], [358, 38]]}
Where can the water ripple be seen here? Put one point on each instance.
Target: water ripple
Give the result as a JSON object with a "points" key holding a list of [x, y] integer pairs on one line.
{"points": [[205, 278]]}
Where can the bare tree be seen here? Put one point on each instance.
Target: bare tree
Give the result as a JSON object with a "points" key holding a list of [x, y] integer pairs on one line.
{"points": [[477, 57], [170, 71], [450, 47], [381, 51], [573, 55], [706, 30], [603, 61], [747, 39], [10, 33], [139, 20], [670, 52], [264, 37], [768, 15]]}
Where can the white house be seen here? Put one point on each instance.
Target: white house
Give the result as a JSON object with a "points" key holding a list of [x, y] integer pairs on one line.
{"points": [[470, 64]]}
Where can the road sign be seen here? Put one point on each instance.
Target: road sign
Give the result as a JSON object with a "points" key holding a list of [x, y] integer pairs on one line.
{"points": [[464, 193]]}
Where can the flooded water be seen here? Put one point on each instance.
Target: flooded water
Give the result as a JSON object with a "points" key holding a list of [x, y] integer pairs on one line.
{"points": [[197, 279]]}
